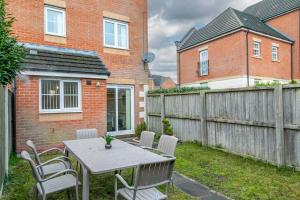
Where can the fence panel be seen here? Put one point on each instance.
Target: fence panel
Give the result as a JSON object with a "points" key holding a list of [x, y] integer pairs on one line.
{"points": [[260, 122]]}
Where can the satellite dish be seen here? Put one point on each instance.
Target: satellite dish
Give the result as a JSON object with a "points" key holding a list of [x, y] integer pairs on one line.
{"points": [[148, 57]]}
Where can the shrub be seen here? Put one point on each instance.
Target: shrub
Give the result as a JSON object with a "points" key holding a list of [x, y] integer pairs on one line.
{"points": [[11, 53], [140, 128], [268, 84], [293, 82], [177, 90], [168, 130]]}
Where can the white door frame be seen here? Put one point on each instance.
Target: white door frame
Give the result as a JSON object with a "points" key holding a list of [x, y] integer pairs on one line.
{"points": [[116, 87]]}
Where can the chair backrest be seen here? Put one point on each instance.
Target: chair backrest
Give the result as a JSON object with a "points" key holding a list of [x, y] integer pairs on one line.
{"points": [[86, 134], [154, 174], [25, 155], [167, 144], [147, 138], [31, 145]]}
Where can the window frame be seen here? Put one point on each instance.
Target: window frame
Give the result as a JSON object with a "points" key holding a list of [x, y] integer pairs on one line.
{"points": [[200, 63], [257, 49], [277, 53], [61, 99], [116, 36], [63, 11]]}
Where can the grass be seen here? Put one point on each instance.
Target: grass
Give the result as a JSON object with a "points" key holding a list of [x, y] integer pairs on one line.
{"points": [[237, 177], [20, 183]]}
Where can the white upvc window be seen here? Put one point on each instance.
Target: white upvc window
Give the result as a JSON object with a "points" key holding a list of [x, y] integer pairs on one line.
{"points": [[55, 21], [57, 95], [204, 63], [256, 49], [275, 54], [115, 34]]}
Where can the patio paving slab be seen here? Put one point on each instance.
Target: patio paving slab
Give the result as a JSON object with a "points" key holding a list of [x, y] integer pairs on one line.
{"points": [[195, 189]]}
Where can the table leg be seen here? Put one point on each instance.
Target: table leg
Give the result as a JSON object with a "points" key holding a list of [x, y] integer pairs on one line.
{"points": [[85, 183]]}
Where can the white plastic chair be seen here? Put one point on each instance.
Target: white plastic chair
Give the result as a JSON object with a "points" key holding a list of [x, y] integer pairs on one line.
{"points": [[147, 178], [57, 182], [86, 134], [49, 167], [146, 140]]}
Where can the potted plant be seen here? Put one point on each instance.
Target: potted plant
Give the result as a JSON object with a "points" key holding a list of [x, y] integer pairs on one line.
{"points": [[108, 139]]}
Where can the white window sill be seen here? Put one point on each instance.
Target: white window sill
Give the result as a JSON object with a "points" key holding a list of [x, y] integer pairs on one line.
{"points": [[278, 61], [257, 57], [56, 35], [118, 48], [60, 112]]}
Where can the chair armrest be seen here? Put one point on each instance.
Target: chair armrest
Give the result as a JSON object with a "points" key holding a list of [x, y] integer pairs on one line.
{"points": [[67, 171], [50, 150], [135, 140], [120, 178], [53, 160]]}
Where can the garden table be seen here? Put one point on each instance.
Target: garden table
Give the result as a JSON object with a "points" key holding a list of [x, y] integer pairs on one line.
{"points": [[95, 159]]}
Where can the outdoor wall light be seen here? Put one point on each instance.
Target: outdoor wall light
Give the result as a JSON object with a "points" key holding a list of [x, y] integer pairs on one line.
{"points": [[98, 84]]}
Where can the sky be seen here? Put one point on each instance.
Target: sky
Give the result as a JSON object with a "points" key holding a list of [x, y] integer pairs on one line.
{"points": [[169, 21]]}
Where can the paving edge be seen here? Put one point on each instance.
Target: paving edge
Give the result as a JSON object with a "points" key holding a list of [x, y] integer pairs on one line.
{"points": [[196, 182]]}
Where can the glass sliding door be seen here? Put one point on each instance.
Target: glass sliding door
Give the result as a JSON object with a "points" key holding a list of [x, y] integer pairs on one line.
{"points": [[120, 110]]}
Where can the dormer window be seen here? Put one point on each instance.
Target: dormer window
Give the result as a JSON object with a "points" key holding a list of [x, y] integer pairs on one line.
{"points": [[55, 21]]}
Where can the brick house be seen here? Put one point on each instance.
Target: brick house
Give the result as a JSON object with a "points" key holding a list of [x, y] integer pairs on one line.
{"points": [[240, 48], [83, 67], [158, 82]]}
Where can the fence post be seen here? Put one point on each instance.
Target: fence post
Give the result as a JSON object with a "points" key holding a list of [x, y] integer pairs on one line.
{"points": [[203, 118], [162, 111], [278, 104]]}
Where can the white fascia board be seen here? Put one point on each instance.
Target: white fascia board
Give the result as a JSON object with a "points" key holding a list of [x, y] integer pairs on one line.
{"points": [[62, 74]]}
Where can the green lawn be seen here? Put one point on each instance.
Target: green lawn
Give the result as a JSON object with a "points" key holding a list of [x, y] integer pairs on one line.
{"points": [[236, 177], [20, 185]]}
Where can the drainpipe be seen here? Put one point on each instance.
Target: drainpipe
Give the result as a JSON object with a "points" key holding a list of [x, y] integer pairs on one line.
{"points": [[178, 68], [247, 57]]}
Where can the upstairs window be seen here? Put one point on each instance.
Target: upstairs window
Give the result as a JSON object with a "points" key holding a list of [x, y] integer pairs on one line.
{"points": [[60, 95], [203, 64], [256, 49], [115, 34], [275, 56], [55, 22]]}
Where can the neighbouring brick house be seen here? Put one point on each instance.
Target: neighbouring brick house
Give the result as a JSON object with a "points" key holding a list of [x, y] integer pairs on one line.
{"points": [[83, 67], [158, 82], [240, 48]]}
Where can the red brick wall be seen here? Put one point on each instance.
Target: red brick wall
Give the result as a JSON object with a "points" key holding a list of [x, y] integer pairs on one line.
{"points": [[264, 66], [84, 32], [290, 25], [45, 134], [227, 58]]}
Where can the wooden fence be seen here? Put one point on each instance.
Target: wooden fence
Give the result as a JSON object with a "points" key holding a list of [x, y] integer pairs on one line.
{"points": [[260, 122], [6, 129]]}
